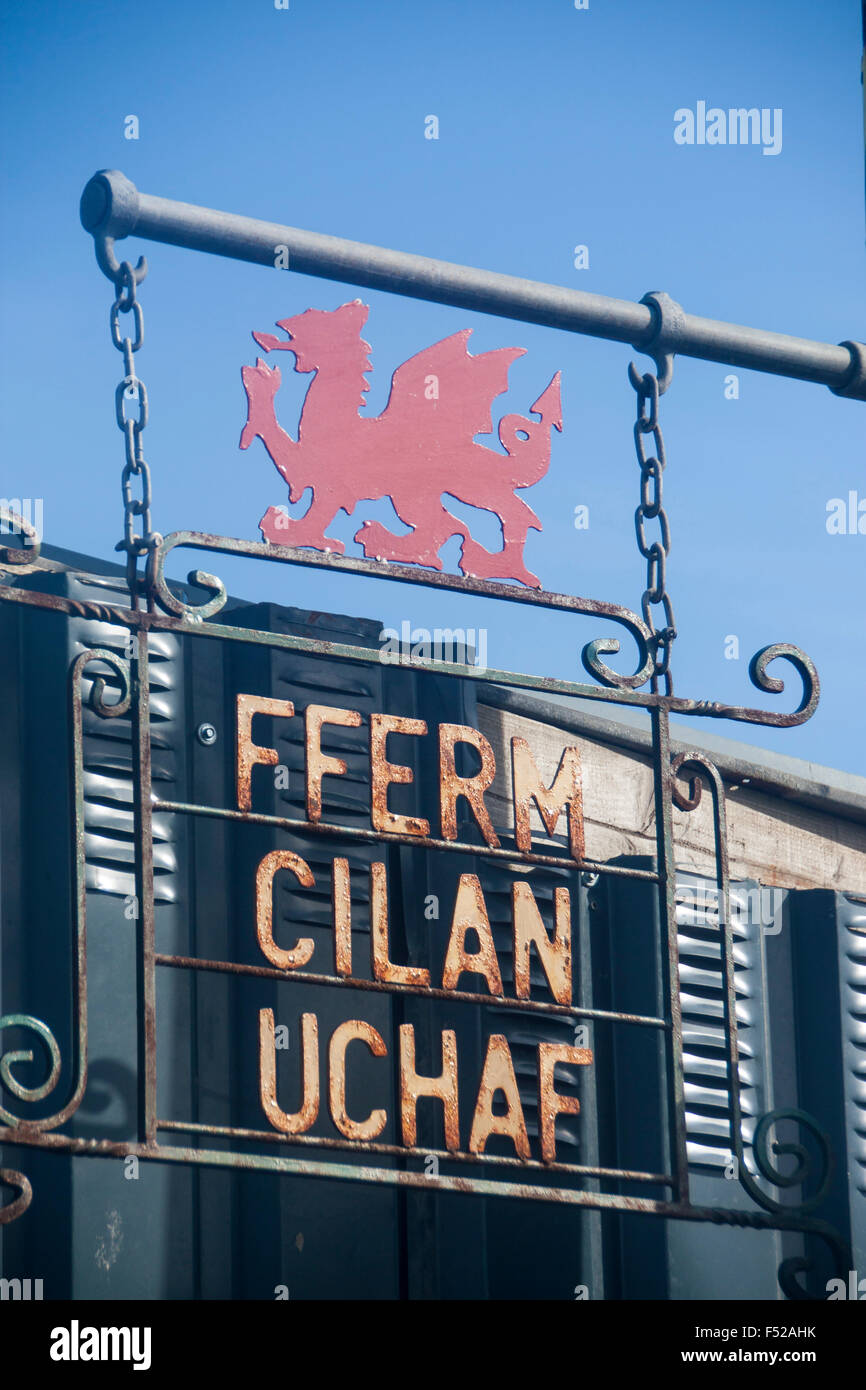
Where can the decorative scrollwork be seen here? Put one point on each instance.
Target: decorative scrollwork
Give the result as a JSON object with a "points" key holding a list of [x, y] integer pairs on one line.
{"points": [[762, 1147], [23, 558], [101, 612], [800, 1264], [759, 677], [30, 1094], [96, 699], [606, 674], [12, 1210], [591, 654], [690, 800], [201, 579], [811, 684]]}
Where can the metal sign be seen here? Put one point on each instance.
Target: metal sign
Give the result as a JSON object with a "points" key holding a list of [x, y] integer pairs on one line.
{"points": [[474, 971], [421, 447], [470, 954], [536, 975]]}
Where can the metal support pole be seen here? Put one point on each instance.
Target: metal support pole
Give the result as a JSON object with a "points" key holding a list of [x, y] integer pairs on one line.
{"points": [[112, 207]]}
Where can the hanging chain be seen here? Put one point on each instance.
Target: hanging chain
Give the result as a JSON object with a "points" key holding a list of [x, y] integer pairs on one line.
{"points": [[650, 508], [129, 388]]}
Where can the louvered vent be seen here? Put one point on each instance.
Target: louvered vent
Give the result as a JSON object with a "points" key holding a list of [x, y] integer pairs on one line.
{"points": [[108, 813], [707, 1091]]}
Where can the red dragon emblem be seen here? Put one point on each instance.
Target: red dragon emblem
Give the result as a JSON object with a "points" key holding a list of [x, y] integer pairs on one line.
{"points": [[421, 447]]}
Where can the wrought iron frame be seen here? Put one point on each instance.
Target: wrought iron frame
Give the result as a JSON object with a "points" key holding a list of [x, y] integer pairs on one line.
{"points": [[678, 781]]}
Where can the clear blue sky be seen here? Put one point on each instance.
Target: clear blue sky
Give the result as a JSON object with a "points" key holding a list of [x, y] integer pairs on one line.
{"points": [[556, 129]]}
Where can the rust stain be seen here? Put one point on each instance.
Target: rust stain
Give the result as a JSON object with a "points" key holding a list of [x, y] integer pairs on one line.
{"points": [[109, 1246]]}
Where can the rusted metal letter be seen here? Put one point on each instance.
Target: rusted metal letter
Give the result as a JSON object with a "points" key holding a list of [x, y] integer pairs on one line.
{"points": [[319, 763], [301, 953], [451, 785], [353, 1028], [383, 967], [550, 1102], [529, 929], [442, 1087], [498, 1075], [470, 914], [341, 916], [301, 1121], [565, 793], [383, 773], [248, 753]]}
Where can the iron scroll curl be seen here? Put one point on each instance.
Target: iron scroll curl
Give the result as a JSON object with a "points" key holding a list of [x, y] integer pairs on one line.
{"points": [[810, 694], [115, 708], [762, 1147], [10, 1082], [10, 1211], [594, 666], [840, 1253], [22, 559], [805, 667]]}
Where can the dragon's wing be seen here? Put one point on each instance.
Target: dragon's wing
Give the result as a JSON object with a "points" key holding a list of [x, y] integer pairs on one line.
{"points": [[450, 385]]}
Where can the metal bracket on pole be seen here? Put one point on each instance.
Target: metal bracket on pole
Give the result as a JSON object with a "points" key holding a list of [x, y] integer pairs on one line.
{"points": [[668, 320], [109, 197], [855, 386], [112, 207]]}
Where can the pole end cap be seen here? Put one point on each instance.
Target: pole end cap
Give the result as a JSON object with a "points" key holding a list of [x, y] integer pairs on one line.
{"points": [[109, 204]]}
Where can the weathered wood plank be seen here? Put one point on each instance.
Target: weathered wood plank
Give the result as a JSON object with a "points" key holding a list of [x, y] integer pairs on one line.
{"points": [[778, 842]]}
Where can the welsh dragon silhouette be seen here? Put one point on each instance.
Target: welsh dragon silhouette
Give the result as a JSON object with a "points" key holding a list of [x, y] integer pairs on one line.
{"points": [[420, 448]]}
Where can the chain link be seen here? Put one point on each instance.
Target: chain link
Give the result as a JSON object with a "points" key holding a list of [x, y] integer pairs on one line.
{"points": [[131, 387], [650, 508]]}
